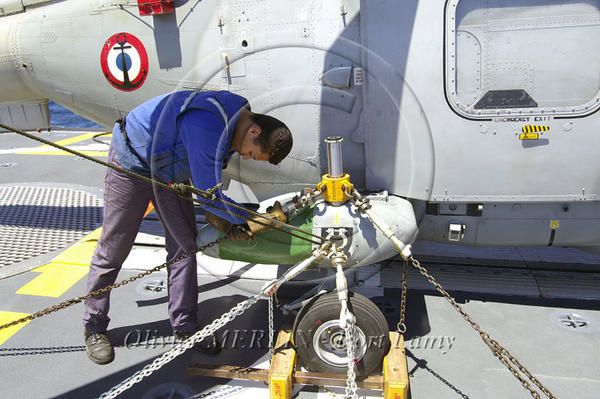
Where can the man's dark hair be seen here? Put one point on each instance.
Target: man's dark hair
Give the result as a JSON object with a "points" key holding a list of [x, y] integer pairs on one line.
{"points": [[275, 138]]}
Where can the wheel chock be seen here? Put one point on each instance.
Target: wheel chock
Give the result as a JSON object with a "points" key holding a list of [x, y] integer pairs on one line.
{"points": [[395, 369], [283, 374], [282, 368]]}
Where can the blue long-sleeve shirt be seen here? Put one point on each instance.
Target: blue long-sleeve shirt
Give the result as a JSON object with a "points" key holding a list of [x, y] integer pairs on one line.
{"points": [[207, 153], [184, 135]]}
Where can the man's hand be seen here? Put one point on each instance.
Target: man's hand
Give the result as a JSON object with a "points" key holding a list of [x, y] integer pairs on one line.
{"points": [[275, 207], [273, 215], [220, 224], [233, 232], [239, 233]]}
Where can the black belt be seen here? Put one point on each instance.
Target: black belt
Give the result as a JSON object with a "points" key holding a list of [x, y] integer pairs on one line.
{"points": [[122, 123]]}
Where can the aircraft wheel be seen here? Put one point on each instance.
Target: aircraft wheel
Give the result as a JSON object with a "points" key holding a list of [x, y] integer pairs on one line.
{"points": [[320, 341]]}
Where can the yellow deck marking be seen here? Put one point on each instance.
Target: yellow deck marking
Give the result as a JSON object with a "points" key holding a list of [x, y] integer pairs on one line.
{"points": [[46, 149], [93, 236], [79, 254], [76, 139], [7, 317], [63, 153], [64, 271], [55, 279]]}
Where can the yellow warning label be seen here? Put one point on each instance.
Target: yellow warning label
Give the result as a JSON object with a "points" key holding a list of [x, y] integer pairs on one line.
{"points": [[279, 388], [529, 136], [535, 129]]}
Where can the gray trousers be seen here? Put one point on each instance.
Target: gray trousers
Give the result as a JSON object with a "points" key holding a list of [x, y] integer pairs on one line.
{"points": [[125, 202]]}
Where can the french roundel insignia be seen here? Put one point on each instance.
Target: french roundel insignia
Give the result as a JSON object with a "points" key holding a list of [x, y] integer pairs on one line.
{"points": [[124, 62]]}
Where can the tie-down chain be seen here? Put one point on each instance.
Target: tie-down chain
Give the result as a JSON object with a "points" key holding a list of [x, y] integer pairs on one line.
{"points": [[346, 318], [347, 321], [108, 288], [510, 361]]}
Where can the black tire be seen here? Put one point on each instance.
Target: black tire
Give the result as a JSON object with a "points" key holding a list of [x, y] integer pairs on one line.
{"points": [[324, 311]]}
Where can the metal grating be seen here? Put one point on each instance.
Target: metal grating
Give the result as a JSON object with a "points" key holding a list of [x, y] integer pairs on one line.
{"points": [[38, 220]]}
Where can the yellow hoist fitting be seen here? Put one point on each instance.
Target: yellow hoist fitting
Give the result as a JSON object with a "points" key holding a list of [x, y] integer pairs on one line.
{"points": [[335, 189]]}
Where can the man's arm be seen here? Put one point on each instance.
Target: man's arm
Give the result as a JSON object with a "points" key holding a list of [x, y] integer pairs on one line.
{"points": [[201, 132]]}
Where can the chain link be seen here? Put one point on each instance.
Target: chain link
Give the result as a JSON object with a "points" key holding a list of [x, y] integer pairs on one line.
{"points": [[401, 326], [40, 351], [271, 329], [181, 347], [221, 392], [350, 335], [514, 366], [79, 299]]}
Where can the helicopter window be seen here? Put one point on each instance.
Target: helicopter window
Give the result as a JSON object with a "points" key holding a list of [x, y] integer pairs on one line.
{"points": [[523, 56]]}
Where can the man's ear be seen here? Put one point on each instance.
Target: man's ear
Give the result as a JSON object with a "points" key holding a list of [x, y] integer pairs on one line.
{"points": [[254, 131]]}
